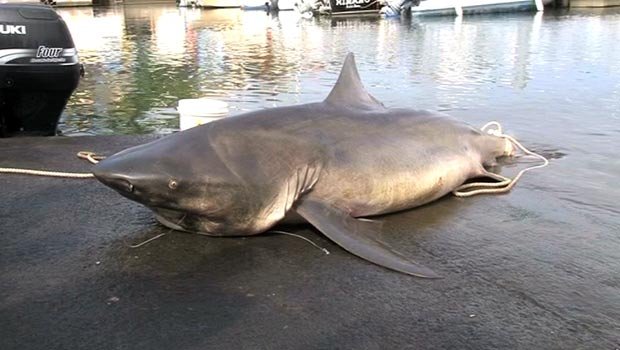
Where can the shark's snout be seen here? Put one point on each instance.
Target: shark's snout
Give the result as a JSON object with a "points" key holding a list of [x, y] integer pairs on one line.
{"points": [[113, 179]]}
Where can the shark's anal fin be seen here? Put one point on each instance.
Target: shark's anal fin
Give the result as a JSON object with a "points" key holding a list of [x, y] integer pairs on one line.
{"points": [[356, 236], [349, 89]]}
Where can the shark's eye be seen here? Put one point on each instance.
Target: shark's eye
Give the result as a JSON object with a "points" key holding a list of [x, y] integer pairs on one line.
{"points": [[173, 184]]}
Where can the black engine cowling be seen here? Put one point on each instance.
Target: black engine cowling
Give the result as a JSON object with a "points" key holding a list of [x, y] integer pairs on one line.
{"points": [[39, 69]]}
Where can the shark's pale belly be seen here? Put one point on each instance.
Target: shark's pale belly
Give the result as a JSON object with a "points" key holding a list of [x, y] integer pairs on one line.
{"points": [[390, 184]]}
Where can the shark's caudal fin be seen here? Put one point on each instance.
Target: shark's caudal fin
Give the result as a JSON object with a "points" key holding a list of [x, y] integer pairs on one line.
{"points": [[357, 237], [349, 90]]}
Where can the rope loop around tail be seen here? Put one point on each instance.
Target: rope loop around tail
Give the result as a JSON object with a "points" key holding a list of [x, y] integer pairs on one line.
{"points": [[504, 184]]}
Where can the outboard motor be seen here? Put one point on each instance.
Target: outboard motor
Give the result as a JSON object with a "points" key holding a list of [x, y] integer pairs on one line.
{"points": [[39, 69]]}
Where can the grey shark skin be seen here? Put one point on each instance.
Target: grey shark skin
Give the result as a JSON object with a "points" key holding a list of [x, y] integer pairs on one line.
{"points": [[330, 162]]}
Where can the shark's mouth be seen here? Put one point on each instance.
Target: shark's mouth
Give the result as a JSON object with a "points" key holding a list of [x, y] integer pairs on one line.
{"points": [[186, 222], [170, 218]]}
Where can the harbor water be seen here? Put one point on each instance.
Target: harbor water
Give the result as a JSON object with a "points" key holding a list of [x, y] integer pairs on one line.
{"points": [[551, 74]]}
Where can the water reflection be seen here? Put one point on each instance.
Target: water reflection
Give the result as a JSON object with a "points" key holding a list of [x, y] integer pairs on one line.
{"points": [[141, 60]]}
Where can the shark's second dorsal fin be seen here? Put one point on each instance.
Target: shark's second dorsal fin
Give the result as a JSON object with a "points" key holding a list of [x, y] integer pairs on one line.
{"points": [[349, 90]]}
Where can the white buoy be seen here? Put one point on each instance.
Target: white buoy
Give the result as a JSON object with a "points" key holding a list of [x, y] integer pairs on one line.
{"points": [[198, 111]]}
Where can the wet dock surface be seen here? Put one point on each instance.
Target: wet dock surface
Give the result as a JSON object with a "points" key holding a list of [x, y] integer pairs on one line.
{"points": [[527, 270]]}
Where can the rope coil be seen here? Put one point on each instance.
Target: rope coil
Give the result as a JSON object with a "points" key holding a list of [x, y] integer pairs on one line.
{"points": [[504, 184]]}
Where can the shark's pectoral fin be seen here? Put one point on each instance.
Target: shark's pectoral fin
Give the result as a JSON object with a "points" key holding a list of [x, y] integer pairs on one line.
{"points": [[356, 236]]}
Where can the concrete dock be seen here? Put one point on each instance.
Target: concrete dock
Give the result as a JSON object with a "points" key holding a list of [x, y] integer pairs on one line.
{"points": [[521, 271], [593, 3]]}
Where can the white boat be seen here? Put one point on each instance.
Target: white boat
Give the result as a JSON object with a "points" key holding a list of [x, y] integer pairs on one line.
{"points": [[187, 3], [59, 3], [283, 5], [463, 7], [254, 5], [219, 3]]}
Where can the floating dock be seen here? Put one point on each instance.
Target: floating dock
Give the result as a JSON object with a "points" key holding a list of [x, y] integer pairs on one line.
{"points": [[517, 274]]}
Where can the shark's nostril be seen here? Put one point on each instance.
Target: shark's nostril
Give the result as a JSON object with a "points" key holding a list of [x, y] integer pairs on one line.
{"points": [[116, 182], [121, 184], [124, 185]]}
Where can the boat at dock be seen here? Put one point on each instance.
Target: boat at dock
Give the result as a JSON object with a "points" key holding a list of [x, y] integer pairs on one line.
{"points": [[283, 5], [391, 8], [354, 7], [268, 5], [254, 5], [56, 3], [218, 4], [187, 3], [465, 7]]}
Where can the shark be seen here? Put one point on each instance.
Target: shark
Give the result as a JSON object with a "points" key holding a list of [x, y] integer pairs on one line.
{"points": [[331, 164]]}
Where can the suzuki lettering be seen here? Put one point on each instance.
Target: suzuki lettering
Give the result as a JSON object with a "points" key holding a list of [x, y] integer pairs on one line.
{"points": [[12, 29]]}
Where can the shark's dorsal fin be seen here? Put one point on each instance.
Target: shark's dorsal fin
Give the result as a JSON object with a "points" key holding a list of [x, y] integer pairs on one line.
{"points": [[349, 90]]}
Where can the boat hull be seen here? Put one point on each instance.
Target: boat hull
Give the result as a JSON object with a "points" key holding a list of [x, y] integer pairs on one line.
{"points": [[455, 8], [219, 4]]}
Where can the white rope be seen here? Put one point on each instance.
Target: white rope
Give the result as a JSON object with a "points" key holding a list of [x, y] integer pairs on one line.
{"points": [[89, 156], [504, 184], [46, 173]]}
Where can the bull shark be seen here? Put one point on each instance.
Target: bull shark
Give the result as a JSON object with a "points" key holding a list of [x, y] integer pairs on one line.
{"points": [[331, 164]]}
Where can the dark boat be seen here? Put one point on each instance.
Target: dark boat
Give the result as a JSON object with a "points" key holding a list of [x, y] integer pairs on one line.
{"points": [[354, 7], [39, 69]]}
